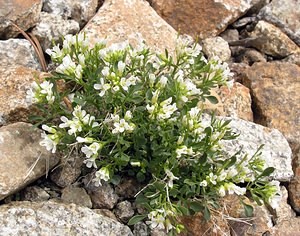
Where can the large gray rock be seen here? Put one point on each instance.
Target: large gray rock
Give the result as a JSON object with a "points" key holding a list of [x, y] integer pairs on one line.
{"points": [[22, 159], [285, 15], [78, 10], [50, 218], [52, 27], [216, 47], [25, 14], [276, 151], [121, 20], [20, 52]]}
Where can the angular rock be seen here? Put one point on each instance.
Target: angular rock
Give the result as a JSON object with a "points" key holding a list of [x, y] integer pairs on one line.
{"points": [[250, 56], [25, 14], [107, 213], [67, 172], [230, 35], [285, 16], [128, 188], [276, 151], [275, 91], [289, 227], [77, 196], [22, 159], [52, 27], [294, 58], [34, 194], [18, 52], [201, 18], [124, 211], [50, 218], [272, 40], [218, 47], [14, 82], [233, 102], [79, 10], [103, 196], [140, 229], [121, 20], [294, 185]]}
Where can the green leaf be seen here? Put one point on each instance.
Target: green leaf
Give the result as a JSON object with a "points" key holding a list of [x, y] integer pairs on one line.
{"points": [[206, 213], [196, 206], [248, 210], [135, 219], [267, 172], [140, 177], [212, 99], [116, 179]]}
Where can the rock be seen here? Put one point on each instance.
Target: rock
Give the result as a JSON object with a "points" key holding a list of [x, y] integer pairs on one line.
{"points": [[50, 218], [244, 21], [257, 6], [68, 172], [238, 70], [294, 185], [34, 194], [285, 16], [14, 82], [79, 10], [201, 18], [273, 41], [275, 90], [276, 151], [121, 20], [233, 102], [230, 35], [128, 188], [294, 58], [25, 14], [107, 213], [124, 211], [77, 196], [52, 27], [103, 196], [140, 229], [22, 159], [251, 56], [289, 227], [218, 47], [18, 52]]}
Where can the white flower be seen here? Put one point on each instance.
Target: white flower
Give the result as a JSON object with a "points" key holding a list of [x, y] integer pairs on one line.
{"points": [[212, 178], [171, 177], [166, 109], [91, 150], [102, 174], [232, 188], [49, 129], [84, 140], [128, 115], [55, 52], [184, 150], [122, 126], [121, 67], [90, 162], [49, 142], [81, 59], [162, 81], [157, 219], [152, 79], [150, 108], [46, 89], [105, 71], [222, 191], [78, 72], [203, 183], [155, 95], [276, 196], [67, 67], [103, 87], [194, 112]]}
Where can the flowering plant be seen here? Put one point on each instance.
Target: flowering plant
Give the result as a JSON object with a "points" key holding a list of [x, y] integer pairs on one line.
{"points": [[132, 112]]}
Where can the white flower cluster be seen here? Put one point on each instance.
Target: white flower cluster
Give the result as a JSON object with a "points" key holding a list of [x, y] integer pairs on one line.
{"points": [[158, 220], [102, 174], [79, 120], [38, 92], [121, 125], [163, 110], [50, 140]]}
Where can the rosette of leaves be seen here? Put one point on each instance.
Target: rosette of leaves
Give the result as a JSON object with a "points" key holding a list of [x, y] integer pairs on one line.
{"points": [[134, 112]]}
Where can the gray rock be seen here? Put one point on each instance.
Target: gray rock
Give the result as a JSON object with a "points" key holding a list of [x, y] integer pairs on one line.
{"points": [[34, 194], [285, 16], [272, 40], [107, 213], [67, 172], [103, 196], [79, 10], [276, 151], [77, 196], [20, 52], [124, 211], [140, 229], [50, 218], [294, 58], [22, 159], [218, 47], [25, 14], [128, 188], [251, 56], [230, 35], [52, 27]]}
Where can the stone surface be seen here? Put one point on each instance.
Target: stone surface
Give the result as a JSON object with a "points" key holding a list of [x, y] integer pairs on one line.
{"points": [[128, 188], [201, 18], [77, 196], [50, 218], [294, 185], [18, 52], [275, 90], [272, 40], [233, 102], [124, 211], [24, 13], [276, 151], [52, 27], [67, 172], [120, 20], [216, 47], [14, 82], [34, 194], [140, 229], [286, 16], [107, 213], [250, 56], [289, 227], [230, 35], [294, 58], [22, 159], [103, 196], [79, 10]]}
